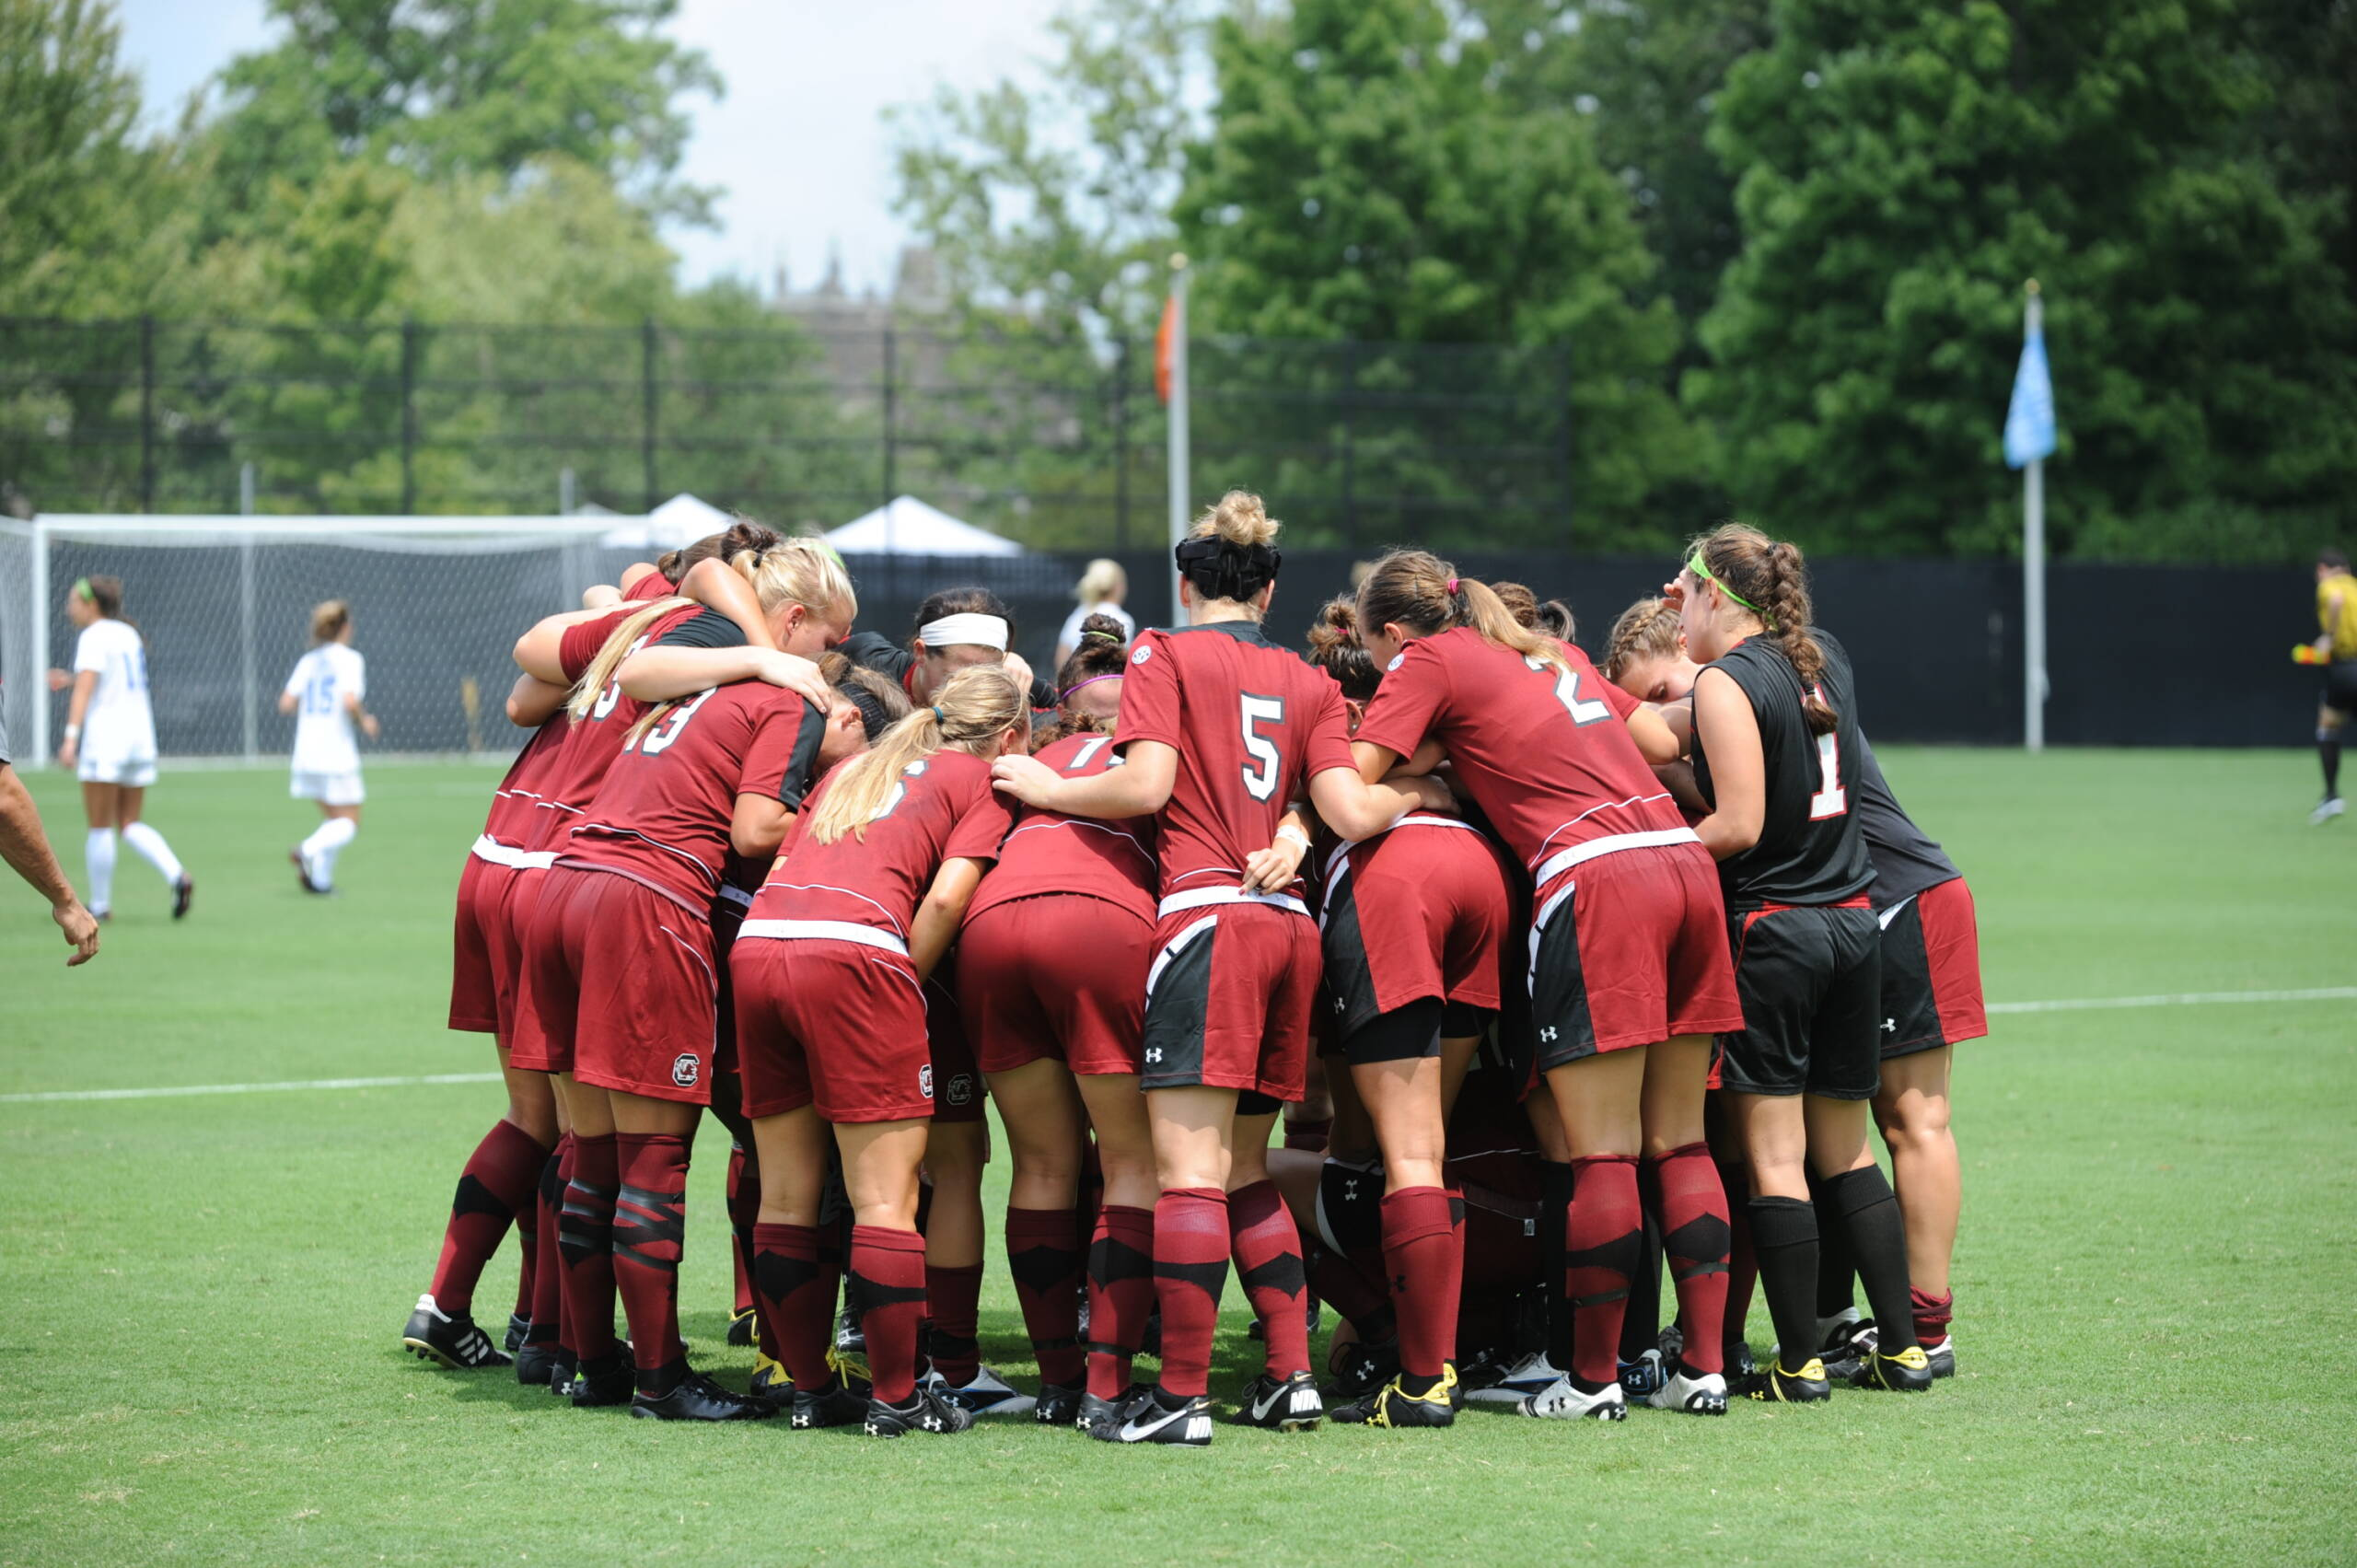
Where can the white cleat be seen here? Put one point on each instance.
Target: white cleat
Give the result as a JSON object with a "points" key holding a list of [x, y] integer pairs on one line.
{"points": [[1696, 1393], [1561, 1401], [988, 1394], [1531, 1375], [2326, 812]]}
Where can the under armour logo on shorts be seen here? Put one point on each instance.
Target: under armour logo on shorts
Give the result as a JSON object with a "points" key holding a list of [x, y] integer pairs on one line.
{"points": [[924, 1080], [1547, 1033], [684, 1068], [1153, 1053]]}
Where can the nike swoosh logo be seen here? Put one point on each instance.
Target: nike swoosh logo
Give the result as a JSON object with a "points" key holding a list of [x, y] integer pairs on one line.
{"points": [[1132, 1432], [1260, 1408]]}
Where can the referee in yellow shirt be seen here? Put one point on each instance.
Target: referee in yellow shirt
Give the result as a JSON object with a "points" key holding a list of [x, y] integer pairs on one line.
{"points": [[2336, 649]]}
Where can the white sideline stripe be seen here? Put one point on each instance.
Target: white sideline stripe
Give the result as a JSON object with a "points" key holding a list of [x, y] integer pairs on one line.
{"points": [[2072, 1004], [178, 1091], [2183, 999]]}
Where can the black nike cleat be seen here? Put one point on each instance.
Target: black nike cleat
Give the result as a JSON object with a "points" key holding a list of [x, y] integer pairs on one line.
{"points": [[1058, 1403], [697, 1398], [1392, 1405], [1094, 1413], [518, 1327], [740, 1328], [537, 1364], [925, 1411], [1359, 1369], [303, 872], [841, 1403], [608, 1380], [1775, 1385], [1908, 1372], [1187, 1424], [1289, 1406], [184, 895], [449, 1341]]}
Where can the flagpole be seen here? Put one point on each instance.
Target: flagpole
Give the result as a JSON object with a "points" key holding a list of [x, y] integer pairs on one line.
{"points": [[2034, 567], [1180, 456]]}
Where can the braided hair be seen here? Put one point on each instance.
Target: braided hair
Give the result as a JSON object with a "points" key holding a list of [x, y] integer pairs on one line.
{"points": [[1770, 575]]}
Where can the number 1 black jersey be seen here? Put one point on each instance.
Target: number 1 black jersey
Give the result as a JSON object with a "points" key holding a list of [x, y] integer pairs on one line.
{"points": [[1811, 849]]}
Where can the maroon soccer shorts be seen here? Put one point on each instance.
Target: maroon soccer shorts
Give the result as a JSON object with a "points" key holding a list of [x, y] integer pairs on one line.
{"points": [[1228, 997], [1061, 975], [474, 1002], [838, 1024], [1930, 971], [627, 973], [1421, 911], [1630, 948]]}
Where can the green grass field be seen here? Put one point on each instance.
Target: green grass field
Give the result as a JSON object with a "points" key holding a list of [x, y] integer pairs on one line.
{"points": [[201, 1297]]}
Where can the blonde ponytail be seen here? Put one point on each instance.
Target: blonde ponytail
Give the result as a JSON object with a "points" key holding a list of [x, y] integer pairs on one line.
{"points": [[600, 673], [973, 709]]}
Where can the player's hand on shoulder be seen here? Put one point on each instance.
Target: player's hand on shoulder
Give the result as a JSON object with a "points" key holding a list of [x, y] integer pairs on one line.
{"points": [[1025, 778], [795, 674]]}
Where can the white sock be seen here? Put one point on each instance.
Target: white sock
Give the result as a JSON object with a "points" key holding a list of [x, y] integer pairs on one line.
{"points": [[320, 849], [97, 855], [150, 844]]}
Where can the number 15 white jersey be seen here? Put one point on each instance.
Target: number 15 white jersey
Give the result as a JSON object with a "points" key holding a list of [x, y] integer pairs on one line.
{"points": [[323, 679]]}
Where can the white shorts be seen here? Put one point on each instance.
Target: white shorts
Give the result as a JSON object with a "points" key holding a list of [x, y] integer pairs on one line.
{"points": [[133, 773], [328, 789]]}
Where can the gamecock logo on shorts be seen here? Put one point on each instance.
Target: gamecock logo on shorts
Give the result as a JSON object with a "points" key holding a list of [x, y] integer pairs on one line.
{"points": [[961, 1088], [684, 1068], [924, 1080]]}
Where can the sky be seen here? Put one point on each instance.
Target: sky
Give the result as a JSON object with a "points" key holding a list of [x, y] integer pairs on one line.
{"points": [[799, 140]]}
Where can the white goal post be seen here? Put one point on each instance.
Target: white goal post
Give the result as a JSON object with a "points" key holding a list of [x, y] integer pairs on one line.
{"points": [[224, 604]]}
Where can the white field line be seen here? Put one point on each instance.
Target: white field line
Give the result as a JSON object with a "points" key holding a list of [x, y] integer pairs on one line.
{"points": [[2072, 1004]]}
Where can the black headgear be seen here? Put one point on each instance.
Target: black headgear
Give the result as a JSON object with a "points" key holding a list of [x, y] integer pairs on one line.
{"points": [[1220, 569], [873, 716]]}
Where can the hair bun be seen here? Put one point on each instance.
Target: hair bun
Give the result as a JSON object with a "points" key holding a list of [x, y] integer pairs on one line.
{"points": [[1337, 626], [1241, 518]]}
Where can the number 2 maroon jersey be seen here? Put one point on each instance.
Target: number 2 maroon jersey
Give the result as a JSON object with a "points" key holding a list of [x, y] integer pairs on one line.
{"points": [[1544, 752], [662, 815], [1252, 723]]}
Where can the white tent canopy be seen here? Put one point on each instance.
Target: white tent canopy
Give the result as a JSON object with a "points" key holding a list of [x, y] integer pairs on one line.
{"points": [[678, 522], [907, 525]]}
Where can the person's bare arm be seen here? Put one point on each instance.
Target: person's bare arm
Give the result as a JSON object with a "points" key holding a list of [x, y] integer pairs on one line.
{"points": [[721, 588], [26, 848], [664, 675], [759, 825], [367, 721], [538, 651], [532, 701], [1679, 779], [1272, 870], [1140, 787], [286, 701], [85, 684], [1739, 767], [1656, 742], [1357, 809], [937, 919]]}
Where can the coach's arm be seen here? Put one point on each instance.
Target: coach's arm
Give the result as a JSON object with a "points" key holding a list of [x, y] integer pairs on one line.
{"points": [[26, 849]]}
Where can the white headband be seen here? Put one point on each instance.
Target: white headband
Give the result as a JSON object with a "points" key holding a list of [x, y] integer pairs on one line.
{"points": [[964, 630]]}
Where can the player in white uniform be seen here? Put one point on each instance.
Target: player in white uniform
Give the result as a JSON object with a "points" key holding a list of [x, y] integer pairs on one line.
{"points": [[111, 740], [327, 689]]}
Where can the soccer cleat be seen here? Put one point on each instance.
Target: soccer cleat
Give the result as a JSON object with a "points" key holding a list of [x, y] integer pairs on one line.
{"points": [[1672, 1343], [518, 1326], [1187, 1424], [537, 1364], [610, 1381], [987, 1394], [1735, 1355], [1291, 1405], [1908, 1372], [1564, 1400], [1531, 1375], [1775, 1385], [303, 872], [697, 1398], [184, 895], [1096, 1416], [1392, 1405], [925, 1412], [851, 1338], [841, 1403], [1640, 1378], [1942, 1356], [769, 1384], [452, 1341], [740, 1328], [2326, 809], [560, 1373], [1696, 1393], [1058, 1403], [1360, 1369]]}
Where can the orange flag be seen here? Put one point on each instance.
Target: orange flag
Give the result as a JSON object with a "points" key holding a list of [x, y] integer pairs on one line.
{"points": [[1162, 336]]}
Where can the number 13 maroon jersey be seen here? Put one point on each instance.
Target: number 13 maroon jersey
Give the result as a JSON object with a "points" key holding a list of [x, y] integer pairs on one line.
{"points": [[1252, 724]]}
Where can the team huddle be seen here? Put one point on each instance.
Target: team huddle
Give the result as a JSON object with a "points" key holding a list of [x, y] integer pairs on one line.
{"points": [[1557, 976]]}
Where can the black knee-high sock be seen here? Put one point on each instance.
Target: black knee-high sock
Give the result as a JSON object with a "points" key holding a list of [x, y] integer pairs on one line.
{"points": [[1554, 1210], [2328, 752], [1834, 1268], [1641, 1325], [1783, 1239], [1878, 1241]]}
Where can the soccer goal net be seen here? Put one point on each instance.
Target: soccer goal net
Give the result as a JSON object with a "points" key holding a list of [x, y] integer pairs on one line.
{"points": [[224, 604]]}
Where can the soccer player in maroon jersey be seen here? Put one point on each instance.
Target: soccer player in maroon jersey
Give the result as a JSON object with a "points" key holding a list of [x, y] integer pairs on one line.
{"points": [[830, 967], [1778, 754], [1052, 967], [1415, 923], [1629, 973], [1221, 732]]}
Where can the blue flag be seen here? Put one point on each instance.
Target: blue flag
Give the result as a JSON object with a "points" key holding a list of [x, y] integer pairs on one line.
{"points": [[2029, 419]]}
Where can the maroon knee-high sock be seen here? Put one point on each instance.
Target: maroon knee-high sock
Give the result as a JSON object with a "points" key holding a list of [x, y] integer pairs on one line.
{"points": [[953, 1307], [497, 1185], [1267, 1265], [1694, 1235], [744, 1203], [1047, 1268], [1743, 1265], [527, 1242], [1603, 1246], [650, 1229], [887, 1271], [1932, 1313], [1120, 1294], [794, 1278], [547, 1266], [1424, 1247], [586, 1240], [1190, 1272]]}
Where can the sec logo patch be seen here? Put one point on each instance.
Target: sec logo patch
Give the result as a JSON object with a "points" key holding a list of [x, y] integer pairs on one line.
{"points": [[684, 1068], [1142, 655], [1396, 660]]}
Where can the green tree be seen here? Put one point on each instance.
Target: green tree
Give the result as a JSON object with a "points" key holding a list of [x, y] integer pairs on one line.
{"points": [[1902, 169]]}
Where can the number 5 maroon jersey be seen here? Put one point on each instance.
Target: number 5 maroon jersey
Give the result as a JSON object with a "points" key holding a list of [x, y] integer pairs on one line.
{"points": [[1252, 723]]}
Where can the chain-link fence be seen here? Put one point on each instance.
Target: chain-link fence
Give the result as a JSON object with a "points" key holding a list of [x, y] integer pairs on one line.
{"points": [[1046, 437]]}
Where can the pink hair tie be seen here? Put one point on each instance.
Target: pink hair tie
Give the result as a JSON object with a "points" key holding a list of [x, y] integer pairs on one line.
{"points": [[1090, 681], [1451, 584]]}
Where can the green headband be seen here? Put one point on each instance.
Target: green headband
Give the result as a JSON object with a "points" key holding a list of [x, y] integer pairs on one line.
{"points": [[1696, 565], [82, 587]]}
